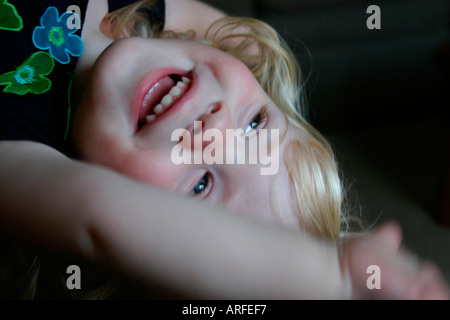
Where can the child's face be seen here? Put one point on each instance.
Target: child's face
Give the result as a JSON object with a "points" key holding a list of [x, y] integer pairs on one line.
{"points": [[111, 126]]}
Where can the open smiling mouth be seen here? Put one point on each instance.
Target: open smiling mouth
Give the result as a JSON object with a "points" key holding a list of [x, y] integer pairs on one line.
{"points": [[162, 96]]}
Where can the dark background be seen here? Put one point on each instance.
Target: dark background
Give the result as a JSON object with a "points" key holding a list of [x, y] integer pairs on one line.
{"points": [[382, 99]]}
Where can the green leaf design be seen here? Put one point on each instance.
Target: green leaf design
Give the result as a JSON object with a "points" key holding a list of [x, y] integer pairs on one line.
{"points": [[30, 75], [9, 18]]}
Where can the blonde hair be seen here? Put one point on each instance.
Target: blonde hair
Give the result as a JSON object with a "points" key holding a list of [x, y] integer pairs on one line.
{"points": [[132, 20], [310, 162]]}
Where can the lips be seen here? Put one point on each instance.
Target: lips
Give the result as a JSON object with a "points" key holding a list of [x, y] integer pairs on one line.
{"points": [[154, 96], [157, 93]]}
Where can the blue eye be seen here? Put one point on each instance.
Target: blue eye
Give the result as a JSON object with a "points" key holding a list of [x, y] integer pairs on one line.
{"points": [[201, 185], [258, 121], [253, 124]]}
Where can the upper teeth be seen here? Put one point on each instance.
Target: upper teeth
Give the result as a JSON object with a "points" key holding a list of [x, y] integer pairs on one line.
{"points": [[168, 99]]}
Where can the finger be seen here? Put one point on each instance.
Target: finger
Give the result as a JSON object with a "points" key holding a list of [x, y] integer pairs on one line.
{"points": [[432, 286], [410, 261], [390, 233]]}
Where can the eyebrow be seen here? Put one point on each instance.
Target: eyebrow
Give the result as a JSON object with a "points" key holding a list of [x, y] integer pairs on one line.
{"points": [[284, 130]]}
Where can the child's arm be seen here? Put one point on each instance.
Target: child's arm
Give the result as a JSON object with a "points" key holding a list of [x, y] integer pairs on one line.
{"points": [[67, 206], [202, 251]]}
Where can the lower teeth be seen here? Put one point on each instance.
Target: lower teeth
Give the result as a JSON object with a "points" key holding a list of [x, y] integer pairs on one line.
{"points": [[151, 118]]}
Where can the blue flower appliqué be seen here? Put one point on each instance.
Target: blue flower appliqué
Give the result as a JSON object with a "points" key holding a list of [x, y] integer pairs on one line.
{"points": [[55, 35]]}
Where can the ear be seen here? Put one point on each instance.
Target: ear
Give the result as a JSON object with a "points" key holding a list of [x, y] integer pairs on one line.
{"points": [[105, 28]]}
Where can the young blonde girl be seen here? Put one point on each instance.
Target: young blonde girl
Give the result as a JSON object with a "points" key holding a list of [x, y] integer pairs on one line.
{"points": [[318, 187], [198, 250]]}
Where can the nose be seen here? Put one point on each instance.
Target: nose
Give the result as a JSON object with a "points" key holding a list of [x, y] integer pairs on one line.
{"points": [[216, 116]]}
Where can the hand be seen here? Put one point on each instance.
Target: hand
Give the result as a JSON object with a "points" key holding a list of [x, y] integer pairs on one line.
{"points": [[397, 274]]}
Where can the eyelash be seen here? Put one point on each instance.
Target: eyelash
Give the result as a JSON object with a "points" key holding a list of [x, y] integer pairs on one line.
{"points": [[263, 117], [205, 190]]}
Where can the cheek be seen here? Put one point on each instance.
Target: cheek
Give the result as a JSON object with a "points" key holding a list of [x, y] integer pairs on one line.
{"points": [[120, 155], [151, 167], [117, 71], [99, 123], [241, 71], [230, 71]]}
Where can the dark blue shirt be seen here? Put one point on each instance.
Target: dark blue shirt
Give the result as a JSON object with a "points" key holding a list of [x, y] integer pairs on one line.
{"points": [[43, 117]]}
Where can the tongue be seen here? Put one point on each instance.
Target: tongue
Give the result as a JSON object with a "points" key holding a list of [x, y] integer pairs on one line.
{"points": [[154, 96]]}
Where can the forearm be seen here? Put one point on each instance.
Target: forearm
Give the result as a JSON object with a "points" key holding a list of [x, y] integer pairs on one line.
{"points": [[206, 252], [153, 235], [43, 198]]}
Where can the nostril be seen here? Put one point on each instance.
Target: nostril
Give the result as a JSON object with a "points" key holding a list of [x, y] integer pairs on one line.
{"points": [[215, 108]]}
